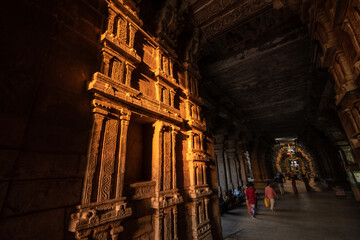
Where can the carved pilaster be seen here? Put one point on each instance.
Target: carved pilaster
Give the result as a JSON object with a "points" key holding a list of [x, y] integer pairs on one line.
{"points": [[106, 63], [107, 159], [132, 30], [129, 69], [159, 223], [174, 132], [92, 157], [125, 118], [175, 225]]}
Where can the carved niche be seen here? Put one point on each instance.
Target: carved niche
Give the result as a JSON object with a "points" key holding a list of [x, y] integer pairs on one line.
{"points": [[119, 55]]}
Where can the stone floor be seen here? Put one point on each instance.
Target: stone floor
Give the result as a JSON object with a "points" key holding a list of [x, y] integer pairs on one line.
{"points": [[315, 215]]}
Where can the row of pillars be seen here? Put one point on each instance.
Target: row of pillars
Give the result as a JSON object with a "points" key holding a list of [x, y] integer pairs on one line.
{"points": [[232, 164]]}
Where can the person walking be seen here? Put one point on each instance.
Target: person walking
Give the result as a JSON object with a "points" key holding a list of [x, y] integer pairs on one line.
{"points": [[293, 183], [306, 182], [280, 180], [246, 199], [251, 198], [270, 193]]}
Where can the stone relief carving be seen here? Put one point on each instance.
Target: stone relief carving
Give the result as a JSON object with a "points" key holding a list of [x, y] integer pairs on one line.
{"points": [[170, 20], [194, 46]]}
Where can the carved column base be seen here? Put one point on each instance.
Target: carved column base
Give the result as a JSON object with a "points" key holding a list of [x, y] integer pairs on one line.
{"points": [[99, 221]]}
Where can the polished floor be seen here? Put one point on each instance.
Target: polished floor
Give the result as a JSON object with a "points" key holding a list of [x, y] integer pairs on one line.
{"points": [[315, 215]]}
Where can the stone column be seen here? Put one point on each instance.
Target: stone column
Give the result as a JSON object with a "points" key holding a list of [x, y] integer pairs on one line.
{"points": [[228, 172], [232, 168], [255, 162], [219, 153], [238, 171], [243, 168]]}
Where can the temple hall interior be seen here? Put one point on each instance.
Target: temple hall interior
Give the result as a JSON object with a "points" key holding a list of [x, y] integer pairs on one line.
{"points": [[180, 119]]}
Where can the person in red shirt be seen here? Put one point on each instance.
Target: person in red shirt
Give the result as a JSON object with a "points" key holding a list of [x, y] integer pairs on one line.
{"points": [[270, 193], [251, 198]]}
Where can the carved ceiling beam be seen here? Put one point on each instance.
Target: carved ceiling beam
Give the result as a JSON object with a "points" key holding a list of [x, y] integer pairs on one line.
{"points": [[217, 17]]}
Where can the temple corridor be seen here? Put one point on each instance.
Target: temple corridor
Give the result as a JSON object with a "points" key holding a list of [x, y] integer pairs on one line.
{"points": [[314, 215], [142, 119]]}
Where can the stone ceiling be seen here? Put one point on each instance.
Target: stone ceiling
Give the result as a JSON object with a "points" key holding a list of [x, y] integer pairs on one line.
{"points": [[259, 68]]}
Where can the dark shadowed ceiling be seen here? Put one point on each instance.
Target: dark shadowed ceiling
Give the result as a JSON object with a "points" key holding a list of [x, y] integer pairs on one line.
{"points": [[260, 69], [263, 69]]}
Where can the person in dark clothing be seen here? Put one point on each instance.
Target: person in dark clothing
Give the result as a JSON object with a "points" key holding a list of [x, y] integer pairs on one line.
{"points": [[280, 180], [251, 197], [293, 183], [223, 206], [306, 182]]}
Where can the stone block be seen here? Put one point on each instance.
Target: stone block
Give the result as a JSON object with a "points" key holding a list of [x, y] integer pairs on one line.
{"points": [[38, 226], [144, 226], [12, 130], [7, 161], [56, 107], [138, 228], [32, 196], [54, 138], [49, 165], [3, 191], [70, 71]]}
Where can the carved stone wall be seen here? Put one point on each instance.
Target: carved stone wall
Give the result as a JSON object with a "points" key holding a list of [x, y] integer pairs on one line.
{"points": [[141, 84], [335, 26]]}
